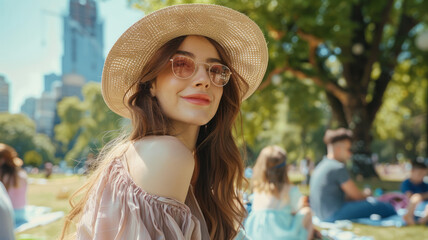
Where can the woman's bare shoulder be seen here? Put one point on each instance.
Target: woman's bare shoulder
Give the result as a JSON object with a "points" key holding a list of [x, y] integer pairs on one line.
{"points": [[161, 165], [162, 146]]}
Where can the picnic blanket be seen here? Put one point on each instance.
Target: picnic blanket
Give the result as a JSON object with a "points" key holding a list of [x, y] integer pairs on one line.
{"points": [[392, 221], [339, 230], [38, 216]]}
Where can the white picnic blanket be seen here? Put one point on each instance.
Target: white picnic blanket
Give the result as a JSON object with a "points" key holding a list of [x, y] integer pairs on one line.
{"points": [[38, 216]]}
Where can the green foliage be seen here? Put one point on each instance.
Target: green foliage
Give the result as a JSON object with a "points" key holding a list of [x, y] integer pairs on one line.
{"points": [[19, 131], [33, 158], [85, 125], [289, 113], [148, 6], [70, 112], [401, 121], [44, 146], [16, 130]]}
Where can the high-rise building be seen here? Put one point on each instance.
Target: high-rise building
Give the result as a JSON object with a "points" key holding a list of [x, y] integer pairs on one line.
{"points": [[29, 107], [45, 113], [4, 94], [83, 41], [49, 81], [57, 90], [72, 85]]}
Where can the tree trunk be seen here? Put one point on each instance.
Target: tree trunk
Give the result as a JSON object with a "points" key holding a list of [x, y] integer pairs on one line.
{"points": [[355, 117], [360, 124]]}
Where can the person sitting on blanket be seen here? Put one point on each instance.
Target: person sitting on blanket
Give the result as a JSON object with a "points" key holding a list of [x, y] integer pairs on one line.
{"points": [[14, 179], [416, 190], [333, 194], [277, 210]]}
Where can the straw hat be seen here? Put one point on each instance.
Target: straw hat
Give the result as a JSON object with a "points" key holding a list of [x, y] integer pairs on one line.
{"points": [[241, 38]]}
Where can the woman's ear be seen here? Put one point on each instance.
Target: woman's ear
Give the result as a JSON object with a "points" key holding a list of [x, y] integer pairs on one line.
{"points": [[153, 89]]}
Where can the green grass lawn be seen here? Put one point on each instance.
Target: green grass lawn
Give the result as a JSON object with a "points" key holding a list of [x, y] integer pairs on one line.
{"points": [[47, 195]]}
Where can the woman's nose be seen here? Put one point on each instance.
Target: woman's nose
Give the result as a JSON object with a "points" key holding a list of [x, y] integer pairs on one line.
{"points": [[202, 77]]}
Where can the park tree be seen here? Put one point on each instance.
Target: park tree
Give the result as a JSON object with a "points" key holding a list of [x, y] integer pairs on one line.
{"points": [[19, 131], [85, 125], [400, 127], [336, 45], [291, 114], [33, 158]]}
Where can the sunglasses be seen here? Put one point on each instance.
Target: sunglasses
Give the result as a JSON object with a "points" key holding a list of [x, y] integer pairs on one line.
{"points": [[185, 67]]}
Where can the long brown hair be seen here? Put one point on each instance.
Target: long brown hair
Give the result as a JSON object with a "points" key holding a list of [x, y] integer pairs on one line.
{"points": [[9, 169], [222, 169], [270, 172]]}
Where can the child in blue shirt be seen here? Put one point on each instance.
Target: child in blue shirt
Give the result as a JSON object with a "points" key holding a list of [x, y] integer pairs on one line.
{"points": [[277, 210], [417, 191]]}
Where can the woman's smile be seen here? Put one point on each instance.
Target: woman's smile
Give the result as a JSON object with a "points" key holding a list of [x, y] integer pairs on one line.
{"points": [[198, 99]]}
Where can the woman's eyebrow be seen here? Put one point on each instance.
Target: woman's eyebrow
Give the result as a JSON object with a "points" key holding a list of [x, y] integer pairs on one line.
{"points": [[189, 54], [185, 53], [216, 60]]}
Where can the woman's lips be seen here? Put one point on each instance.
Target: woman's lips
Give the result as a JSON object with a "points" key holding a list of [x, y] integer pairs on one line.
{"points": [[198, 99]]}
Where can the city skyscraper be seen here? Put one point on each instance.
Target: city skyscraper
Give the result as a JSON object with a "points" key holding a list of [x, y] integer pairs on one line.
{"points": [[29, 107], [83, 41], [72, 85], [45, 113], [4, 94], [49, 80]]}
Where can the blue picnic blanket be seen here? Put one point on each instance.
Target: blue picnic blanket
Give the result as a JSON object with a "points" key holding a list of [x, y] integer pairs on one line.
{"points": [[339, 230], [38, 216], [394, 220]]}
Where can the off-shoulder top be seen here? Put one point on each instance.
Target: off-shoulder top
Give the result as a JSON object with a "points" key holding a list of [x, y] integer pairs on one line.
{"points": [[119, 209]]}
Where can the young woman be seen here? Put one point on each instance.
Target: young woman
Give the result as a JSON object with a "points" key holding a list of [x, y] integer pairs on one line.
{"points": [[14, 178], [180, 75], [277, 209]]}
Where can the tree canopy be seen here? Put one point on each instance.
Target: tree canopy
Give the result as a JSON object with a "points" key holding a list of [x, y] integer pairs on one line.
{"points": [[85, 125], [19, 131]]}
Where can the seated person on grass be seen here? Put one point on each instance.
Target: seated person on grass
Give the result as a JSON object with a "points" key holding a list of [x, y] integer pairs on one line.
{"points": [[333, 194], [417, 191], [277, 210]]}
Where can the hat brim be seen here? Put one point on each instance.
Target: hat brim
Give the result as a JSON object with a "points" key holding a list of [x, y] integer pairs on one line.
{"points": [[240, 37]]}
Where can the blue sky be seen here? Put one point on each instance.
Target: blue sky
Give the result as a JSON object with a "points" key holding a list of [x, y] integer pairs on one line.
{"points": [[31, 40]]}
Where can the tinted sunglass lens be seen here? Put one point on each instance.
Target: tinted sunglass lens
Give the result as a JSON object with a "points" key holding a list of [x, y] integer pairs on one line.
{"points": [[219, 74], [183, 67]]}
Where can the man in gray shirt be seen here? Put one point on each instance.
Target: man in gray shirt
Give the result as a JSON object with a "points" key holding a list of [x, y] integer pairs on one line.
{"points": [[333, 194]]}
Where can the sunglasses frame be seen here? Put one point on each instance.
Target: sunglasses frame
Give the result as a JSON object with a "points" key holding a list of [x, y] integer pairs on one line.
{"points": [[196, 69]]}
